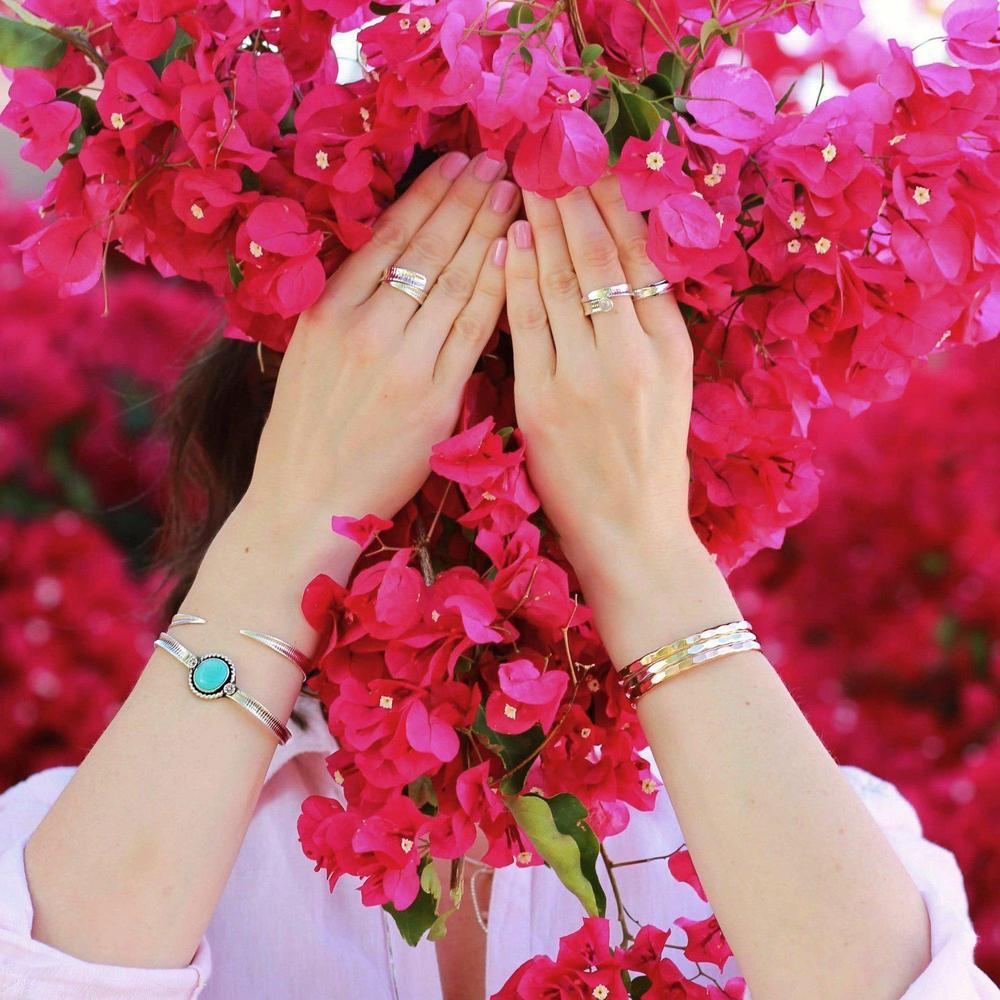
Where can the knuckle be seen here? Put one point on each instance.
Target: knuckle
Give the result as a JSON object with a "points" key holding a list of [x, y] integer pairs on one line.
{"points": [[529, 316], [599, 253], [429, 249], [562, 281], [634, 249], [391, 234], [470, 328], [456, 283]]}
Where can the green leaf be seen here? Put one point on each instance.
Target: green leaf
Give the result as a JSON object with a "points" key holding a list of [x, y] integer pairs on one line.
{"points": [[421, 791], [419, 916], [27, 45], [182, 40], [708, 29], [557, 827], [591, 53], [430, 881], [946, 631], [687, 40], [637, 115], [59, 458], [785, 96], [235, 271], [639, 987], [90, 120], [674, 68], [658, 85], [520, 13], [525, 53], [512, 750]]}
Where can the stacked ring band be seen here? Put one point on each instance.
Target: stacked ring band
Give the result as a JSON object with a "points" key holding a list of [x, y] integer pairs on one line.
{"points": [[285, 649], [643, 674], [602, 300], [660, 287], [214, 676], [406, 280]]}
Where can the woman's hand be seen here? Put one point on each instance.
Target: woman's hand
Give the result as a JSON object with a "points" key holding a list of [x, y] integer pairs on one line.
{"points": [[605, 401], [371, 380]]}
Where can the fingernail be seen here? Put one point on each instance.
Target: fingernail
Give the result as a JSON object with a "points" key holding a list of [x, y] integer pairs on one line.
{"points": [[522, 234], [503, 196], [499, 251], [488, 169], [452, 164]]}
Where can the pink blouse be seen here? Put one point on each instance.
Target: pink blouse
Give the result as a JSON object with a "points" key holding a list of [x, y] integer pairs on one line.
{"points": [[278, 932]]}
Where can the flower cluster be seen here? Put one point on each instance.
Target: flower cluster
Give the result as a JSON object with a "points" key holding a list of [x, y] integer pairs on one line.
{"points": [[80, 486], [904, 547], [817, 251], [465, 683], [587, 966]]}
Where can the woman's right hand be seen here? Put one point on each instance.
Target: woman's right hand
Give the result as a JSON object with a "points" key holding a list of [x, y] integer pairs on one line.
{"points": [[371, 380]]}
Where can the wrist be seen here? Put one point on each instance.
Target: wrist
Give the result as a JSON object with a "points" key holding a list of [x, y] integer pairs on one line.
{"points": [[650, 589]]}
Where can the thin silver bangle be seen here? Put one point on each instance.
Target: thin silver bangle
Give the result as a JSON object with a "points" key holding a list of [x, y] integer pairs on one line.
{"points": [[222, 688], [282, 648]]}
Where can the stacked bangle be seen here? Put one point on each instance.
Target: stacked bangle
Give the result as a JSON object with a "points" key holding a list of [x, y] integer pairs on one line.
{"points": [[214, 676], [643, 674]]}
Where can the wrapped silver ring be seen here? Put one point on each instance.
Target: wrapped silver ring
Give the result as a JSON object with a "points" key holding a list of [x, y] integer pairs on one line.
{"points": [[405, 275], [602, 299], [660, 287]]}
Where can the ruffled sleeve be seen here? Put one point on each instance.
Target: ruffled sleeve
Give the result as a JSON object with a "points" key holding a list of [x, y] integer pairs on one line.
{"points": [[31, 970], [952, 971]]}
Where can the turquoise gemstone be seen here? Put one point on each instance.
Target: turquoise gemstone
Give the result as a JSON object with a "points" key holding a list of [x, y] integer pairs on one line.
{"points": [[210, 674]]}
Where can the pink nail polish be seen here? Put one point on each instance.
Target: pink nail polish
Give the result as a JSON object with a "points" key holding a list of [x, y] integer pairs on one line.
{"points": [[522, 234], [452, 164], [503, 196], [487, 168], [500, 251]]}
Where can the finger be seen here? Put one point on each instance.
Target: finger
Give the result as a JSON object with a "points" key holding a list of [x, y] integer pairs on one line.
{"points": [[659, 314], [557, 278], [355, 280], [595, 256], [451, 293], [435, 243], [475, 323], [531, 335]]}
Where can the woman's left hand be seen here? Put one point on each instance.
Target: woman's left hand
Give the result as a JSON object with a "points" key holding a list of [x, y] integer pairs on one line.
{"points": [[604, 401]]}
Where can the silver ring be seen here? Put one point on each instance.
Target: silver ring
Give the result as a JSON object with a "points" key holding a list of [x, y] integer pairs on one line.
{"points": [[602, 300], [406, 276], [660, 287], [418, 296]]}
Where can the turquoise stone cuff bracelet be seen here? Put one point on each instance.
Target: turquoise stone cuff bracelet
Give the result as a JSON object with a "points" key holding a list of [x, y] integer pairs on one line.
{"points": [[214, 676]]}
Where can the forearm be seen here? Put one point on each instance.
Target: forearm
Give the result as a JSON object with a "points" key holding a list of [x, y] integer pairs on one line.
{"points": [[807, 890], [128, 865]]}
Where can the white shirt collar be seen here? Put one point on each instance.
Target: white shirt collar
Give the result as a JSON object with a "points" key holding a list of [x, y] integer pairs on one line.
{"points": [[311, 736]]}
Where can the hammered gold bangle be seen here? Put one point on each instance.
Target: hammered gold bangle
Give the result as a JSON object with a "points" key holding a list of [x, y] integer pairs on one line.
{"points": [[643, 674]]}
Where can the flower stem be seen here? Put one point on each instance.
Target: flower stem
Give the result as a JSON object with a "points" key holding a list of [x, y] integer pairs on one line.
{"points": [[616, 892]]}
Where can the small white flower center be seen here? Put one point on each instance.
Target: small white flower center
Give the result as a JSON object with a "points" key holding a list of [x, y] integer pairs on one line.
{"points": [[793, 246], [197, 211], [600, 992], [404, 23], [585, 732], [524, 858], [797, 219], [406, 844], [921, 195], [829, 152], [822, 245], [256, 249], [322, 159], [424, 25], [385, 701], [711, 180], [593, 684], [510, 711], [338, 776], [117, 119], [435, 615], [648, 786], [654, 160], [897, 139], [573, 95]]}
